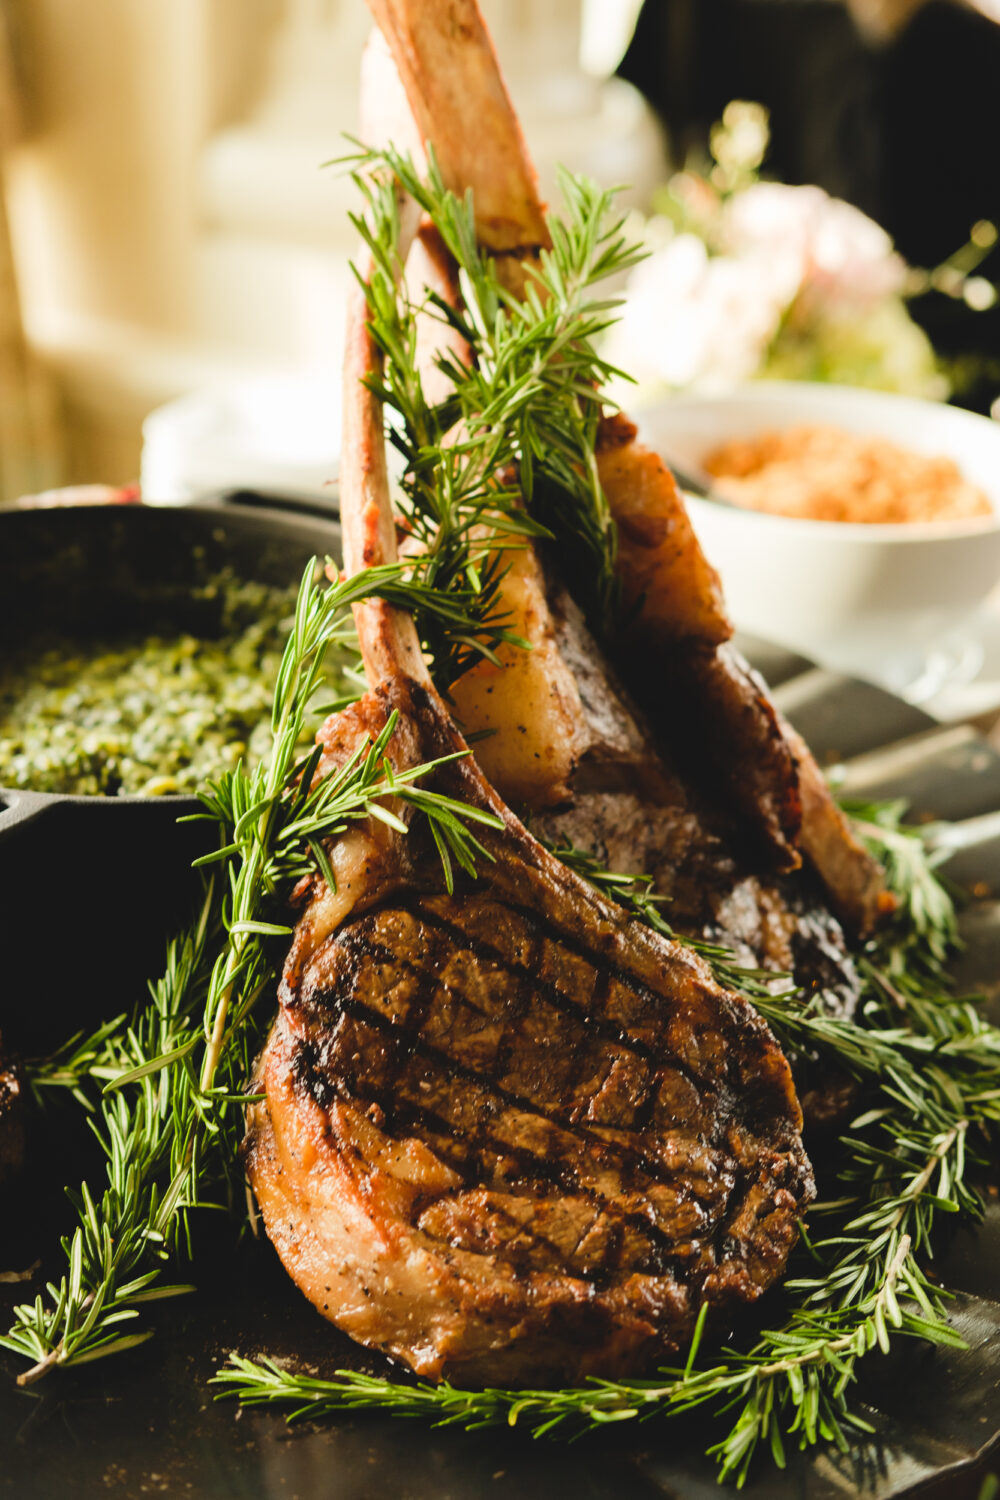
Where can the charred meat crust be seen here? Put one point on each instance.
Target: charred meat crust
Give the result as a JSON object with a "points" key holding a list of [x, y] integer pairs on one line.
{"points": [[558, 1118], [633, 811]]}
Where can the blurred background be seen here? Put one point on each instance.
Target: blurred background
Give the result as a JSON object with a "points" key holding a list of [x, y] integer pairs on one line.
{"points": [[172, 245]]}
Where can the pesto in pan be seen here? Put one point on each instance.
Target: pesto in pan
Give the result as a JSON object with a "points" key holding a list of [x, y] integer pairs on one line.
{"points": [[146, 713]]}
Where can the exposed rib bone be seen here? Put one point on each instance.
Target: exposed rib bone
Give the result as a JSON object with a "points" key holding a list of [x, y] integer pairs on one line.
{"points": [[460, 103]]}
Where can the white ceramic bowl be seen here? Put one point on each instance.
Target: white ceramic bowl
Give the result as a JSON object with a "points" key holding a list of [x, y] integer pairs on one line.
{"points": [[874, 600]]}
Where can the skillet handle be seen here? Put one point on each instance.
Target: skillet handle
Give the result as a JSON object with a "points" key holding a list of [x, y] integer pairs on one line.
{"points": [[18, 808], [297, 505]]}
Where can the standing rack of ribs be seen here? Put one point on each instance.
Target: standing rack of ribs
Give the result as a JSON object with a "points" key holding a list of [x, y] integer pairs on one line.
{"points": [[508, 1133], [700, 783]]}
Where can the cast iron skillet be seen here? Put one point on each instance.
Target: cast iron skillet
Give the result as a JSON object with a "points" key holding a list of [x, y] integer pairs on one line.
{"points": [[89, 885]]}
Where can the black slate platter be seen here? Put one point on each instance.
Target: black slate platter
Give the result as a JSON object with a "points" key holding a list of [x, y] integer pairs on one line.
{"points": [[146, 1423]]}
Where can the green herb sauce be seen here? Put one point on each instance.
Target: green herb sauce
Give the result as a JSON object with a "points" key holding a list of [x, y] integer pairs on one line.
{"points": [[146, 714]]}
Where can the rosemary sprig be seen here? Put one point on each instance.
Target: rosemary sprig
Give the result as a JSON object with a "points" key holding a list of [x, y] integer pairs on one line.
{"points": [[799, 1356], [461, 514], [509, 453], [170, 1115], [904, 969], [674, 1391], [116, 1254], [87, 1058], [279, 818]]}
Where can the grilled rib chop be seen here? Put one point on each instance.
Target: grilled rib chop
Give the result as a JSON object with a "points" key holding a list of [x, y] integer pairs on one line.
{"points": [[511, 1133]]}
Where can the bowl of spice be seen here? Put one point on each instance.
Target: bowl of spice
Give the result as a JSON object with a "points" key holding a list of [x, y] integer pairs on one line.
{"points": [[858, 527]]}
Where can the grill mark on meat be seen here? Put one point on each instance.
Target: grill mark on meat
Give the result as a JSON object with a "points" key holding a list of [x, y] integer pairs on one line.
{"points": [[401, 1110], [526, 1236], [534, 983], [357, 942], [410, 1116], [708, 1188], [601, 992], [608, 1227], [660, 1254]]}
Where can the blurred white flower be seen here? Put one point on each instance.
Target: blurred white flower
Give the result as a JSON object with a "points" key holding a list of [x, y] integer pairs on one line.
{"points": [[748, 278], [845, 257], [691, 319]]}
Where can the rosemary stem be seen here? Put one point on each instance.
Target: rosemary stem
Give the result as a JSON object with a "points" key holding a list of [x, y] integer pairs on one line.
{"points": [[28, 1377], [213, 1051], [248, 880], [821, 1352], [11, 1277], [920, 1182], [54, 1357]]}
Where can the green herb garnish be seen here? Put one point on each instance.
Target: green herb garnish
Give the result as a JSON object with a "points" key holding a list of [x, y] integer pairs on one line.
{"points": [[509, 453]]}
